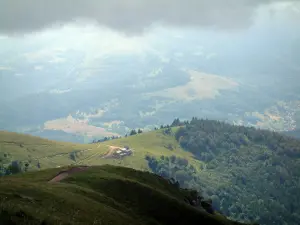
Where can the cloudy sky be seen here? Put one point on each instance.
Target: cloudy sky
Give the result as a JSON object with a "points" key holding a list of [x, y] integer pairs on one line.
{"points": [[52, 41], [136, 16], [101, 27]]}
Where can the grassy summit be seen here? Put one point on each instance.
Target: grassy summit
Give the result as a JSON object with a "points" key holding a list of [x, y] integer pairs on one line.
{"points": [[97, 195]]}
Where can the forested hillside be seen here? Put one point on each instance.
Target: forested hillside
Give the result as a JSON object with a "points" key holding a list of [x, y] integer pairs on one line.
{"points": [[250, 174]]}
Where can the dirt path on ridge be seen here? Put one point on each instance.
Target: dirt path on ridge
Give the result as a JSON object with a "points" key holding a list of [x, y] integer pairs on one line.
{"points": [[65, 173]]}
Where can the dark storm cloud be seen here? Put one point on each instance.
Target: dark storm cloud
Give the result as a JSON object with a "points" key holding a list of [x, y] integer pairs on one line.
{"points": [[18, 16]]}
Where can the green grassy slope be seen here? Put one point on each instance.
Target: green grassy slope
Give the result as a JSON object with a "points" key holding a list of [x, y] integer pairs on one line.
{"points": [[246, 173], [151, 143], [51, 154], [99, 195], [15, 146]]}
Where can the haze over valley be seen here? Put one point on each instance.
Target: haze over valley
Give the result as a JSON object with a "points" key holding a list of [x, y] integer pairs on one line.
{"points": [[80, 81]]}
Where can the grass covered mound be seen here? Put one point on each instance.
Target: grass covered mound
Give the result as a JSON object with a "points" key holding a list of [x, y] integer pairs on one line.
{"points": [[97, 195]]}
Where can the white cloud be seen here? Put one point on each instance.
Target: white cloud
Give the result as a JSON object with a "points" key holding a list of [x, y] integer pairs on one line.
{"points": [[198, 53], [5, 68], [57, 91], [38, 68], [165, 59], [57, 60], [44, 54]]}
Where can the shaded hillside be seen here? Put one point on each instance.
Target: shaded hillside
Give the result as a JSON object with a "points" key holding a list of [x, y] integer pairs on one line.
{"points": [[98, 195], [258, 171]]}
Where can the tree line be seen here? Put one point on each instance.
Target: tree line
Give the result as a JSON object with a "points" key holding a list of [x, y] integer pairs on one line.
{"points": [[182, 175], [14, 167], [132, 132]]}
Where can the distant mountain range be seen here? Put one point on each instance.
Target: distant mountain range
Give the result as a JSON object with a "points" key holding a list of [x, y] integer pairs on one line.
{"points": [[294, 133]]}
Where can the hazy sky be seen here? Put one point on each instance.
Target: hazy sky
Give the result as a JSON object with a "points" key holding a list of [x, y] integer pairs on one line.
{"points": [[41, 30], [134, 16]]}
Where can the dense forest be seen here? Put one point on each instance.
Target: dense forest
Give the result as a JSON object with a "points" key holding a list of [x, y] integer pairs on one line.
{"points": [[212, 137], [173, 167], [250, 174]]}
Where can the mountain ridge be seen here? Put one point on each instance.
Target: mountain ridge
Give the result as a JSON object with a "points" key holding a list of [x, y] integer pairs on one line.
{"points": [[96, 196], [244, 171]]}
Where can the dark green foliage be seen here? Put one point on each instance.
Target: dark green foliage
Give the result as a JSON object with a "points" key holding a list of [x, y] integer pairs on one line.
{"points": [[18, 217], [3, 164], [207, 138], [73, 156], [106, 139], [180, 174], [167, 131], [133, 132], [4, 158], [173, 167], [177, 123], [140, 131], [14, 168], [26, 167], [170, 146], [207, 205], [2, 170], [174, 182], [260, 169]]}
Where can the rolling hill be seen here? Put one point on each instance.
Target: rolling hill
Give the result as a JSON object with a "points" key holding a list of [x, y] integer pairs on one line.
{"points": [[250, 174], [98, 195], [51, 154]]}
